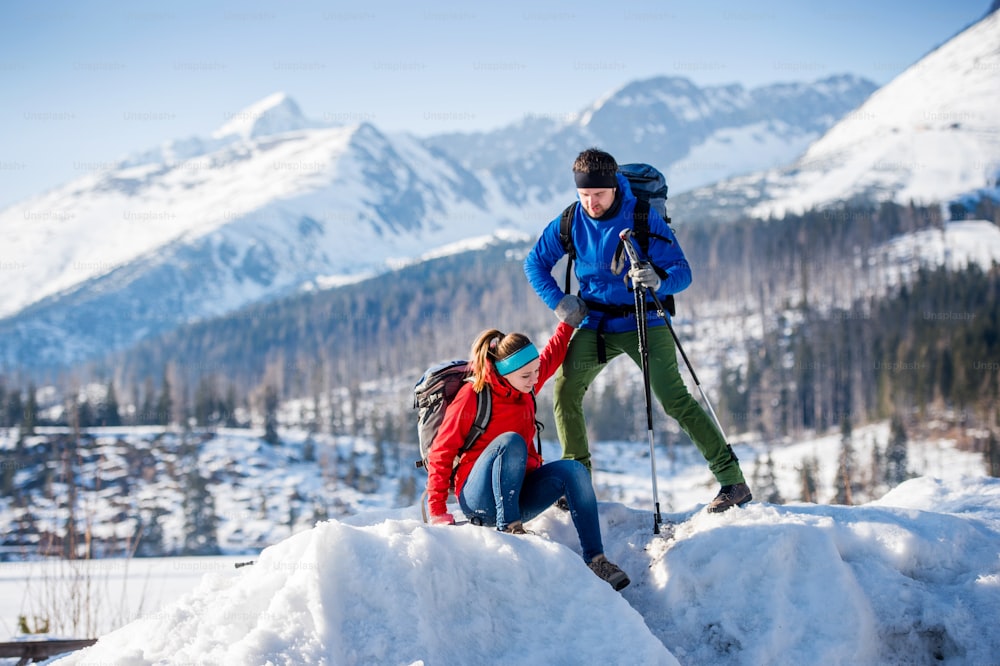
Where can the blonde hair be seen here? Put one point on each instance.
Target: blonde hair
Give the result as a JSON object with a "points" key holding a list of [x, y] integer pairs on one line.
{"points": [[490, 346]]}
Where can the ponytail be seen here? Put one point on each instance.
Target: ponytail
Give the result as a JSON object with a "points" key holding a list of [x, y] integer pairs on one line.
{"points": [[488, 347]]}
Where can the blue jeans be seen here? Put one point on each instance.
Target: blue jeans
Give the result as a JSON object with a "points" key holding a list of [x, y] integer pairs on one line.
{"points": [[497, 492]]}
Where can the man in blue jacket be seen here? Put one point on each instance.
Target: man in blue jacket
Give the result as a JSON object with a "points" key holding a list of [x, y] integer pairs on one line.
{"points": [[609, 329]]}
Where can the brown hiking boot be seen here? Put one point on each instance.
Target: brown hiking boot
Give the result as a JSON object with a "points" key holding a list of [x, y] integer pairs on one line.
{"points": [[609, 572], [737, 494], [516, 527]]}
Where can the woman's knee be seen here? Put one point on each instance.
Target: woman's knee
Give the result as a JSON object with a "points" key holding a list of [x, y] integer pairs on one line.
{"points": [[511, 446], [572, 473]]}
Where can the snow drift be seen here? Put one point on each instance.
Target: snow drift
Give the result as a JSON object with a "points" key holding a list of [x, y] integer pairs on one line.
{"points": [[911, 578]]}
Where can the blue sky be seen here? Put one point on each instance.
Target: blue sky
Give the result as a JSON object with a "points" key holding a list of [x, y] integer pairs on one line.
{"points": [[86, 83]]}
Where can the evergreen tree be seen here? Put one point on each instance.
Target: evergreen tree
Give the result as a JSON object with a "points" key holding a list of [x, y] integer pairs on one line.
{"points": [[14, 409], [608, 416], [878, 471], [406, 493], [108, 412], [200, 519], [897, 454], [378, 458], [206, 404], [767, 486], [152, 542], [262, 509], [351, 476], [8, 468], [320, 513], [271, 415], [30, 415], [992, 454], [845, 483], [805, 383], [85, 414], [164, 404], [147, 413], [69, 445], [229, 408], [315, 424]]}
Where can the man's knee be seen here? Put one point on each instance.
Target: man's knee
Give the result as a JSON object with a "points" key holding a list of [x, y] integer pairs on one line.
{"points": [[678, 403]]}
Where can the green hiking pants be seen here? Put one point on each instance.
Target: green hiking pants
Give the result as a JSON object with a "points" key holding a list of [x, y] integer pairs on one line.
{"points": [[580, 369]]}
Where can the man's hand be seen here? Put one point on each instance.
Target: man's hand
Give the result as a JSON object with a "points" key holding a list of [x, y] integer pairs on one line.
{"points": [[572, 310], [645, 275]]}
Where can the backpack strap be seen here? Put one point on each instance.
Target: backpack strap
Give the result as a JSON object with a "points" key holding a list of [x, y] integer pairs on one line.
{"points": [[539, 426], [484, 410], [640, 227], [566, 236]]}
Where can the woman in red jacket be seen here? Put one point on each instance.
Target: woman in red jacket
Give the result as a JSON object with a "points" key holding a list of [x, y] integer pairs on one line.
{"points": [[502, 480]]}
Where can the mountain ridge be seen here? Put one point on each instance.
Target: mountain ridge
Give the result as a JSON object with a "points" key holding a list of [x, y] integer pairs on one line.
{"points": [[272, 201], [928, 136]]}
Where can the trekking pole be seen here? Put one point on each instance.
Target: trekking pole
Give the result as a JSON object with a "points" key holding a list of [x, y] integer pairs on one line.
{"points": [[634, 258], [640, 316]]}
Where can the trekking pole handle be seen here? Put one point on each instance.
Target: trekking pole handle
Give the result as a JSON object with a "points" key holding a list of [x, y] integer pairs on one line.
{"points": [[633, 256], [626, 238]]}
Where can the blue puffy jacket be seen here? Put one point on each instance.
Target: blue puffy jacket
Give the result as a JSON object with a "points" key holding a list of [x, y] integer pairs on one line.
{"points": [[596, 242]]}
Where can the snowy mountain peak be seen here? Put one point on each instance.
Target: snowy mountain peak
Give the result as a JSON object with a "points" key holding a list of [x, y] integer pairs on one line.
{"points": [[931, 135], [275, 114]]}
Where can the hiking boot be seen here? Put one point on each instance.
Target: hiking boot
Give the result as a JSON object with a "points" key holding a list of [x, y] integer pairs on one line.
{"points": [[516, 527], [737, 494], [609, 572], [562, 504]]}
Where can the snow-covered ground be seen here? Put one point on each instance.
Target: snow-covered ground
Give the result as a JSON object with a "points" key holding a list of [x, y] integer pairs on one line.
{"points": [[955, 246], [908, 578], [913, 578]]}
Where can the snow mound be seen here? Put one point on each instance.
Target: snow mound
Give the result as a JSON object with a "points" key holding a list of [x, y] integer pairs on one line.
{"points": [[908, 579], [397, 591]]}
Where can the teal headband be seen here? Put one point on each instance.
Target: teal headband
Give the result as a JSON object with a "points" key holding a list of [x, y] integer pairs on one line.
{"points": [[517, 360]]}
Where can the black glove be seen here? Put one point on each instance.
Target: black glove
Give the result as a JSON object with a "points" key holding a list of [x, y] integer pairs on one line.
{"points": [[572, 310]]}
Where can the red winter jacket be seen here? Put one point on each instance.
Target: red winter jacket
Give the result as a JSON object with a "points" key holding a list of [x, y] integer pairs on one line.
{"points": [[513, 411]]}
